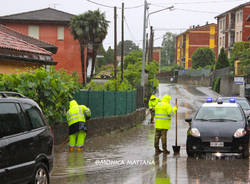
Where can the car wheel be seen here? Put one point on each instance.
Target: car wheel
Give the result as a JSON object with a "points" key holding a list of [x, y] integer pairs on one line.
{"points": [[41, 175]]}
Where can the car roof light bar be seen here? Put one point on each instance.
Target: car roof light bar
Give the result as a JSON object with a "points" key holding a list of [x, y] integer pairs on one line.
{"points": [[232, 100], [209, 100]]}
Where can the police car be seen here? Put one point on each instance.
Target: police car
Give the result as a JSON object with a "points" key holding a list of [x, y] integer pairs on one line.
{"points": [[219, 128]]}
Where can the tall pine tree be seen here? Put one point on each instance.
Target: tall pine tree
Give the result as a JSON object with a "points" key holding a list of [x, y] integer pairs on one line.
{"points": [[222, 61]]}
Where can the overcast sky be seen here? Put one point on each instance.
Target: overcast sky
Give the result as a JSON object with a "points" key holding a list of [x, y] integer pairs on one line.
{"points": [[185, 14]]}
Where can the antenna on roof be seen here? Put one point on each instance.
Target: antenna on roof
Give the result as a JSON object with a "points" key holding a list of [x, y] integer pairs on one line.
{"points": [[53, 5]]}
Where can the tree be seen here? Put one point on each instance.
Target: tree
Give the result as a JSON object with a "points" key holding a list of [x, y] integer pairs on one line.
{"points": [[222, 61], [245, 60], [203, 57], [237, 51], [89, 28], [128, 47], [132, 58], [168, 49]]}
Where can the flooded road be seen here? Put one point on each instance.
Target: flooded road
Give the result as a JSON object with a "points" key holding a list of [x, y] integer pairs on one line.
{"points": [[128, 157]]}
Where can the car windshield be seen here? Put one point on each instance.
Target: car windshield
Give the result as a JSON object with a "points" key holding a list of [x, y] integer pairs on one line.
{"points": [[243, 103], [219, 114]]}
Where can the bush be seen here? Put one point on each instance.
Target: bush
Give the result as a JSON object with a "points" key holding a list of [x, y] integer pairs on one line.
{"points": [[52, 90], [216, 84], [111, 85]]}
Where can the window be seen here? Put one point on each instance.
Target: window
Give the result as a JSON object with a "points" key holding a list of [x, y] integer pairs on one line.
{"points": [[11, 119], [60, 33], [33, 31], [34, 116], [240, 36], [210, 113]]}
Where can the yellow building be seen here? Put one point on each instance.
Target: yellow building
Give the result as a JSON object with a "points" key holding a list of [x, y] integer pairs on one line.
{"points": [[192, 39]]}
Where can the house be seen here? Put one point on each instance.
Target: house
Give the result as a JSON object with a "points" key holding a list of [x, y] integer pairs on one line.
{"points": [[192, 39], [16, 54], [157, 54], [51, 26], [233, 26]]}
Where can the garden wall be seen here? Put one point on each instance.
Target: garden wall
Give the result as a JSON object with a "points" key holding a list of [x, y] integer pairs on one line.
{"points": [[102, 126]]}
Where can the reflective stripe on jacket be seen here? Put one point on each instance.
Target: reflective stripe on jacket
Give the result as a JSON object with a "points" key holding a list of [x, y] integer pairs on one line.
{"points": [[163, 114]]}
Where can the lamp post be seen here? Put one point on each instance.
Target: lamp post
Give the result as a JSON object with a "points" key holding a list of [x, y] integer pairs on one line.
{"points": [[145, 22]]}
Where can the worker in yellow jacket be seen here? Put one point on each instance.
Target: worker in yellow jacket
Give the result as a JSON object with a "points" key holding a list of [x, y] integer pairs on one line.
{"points": [[153, 101], [76, 118], [163, 114]]}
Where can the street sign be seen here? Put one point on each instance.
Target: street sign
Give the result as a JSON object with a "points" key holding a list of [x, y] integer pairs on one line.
{"points": [[239, 80]]}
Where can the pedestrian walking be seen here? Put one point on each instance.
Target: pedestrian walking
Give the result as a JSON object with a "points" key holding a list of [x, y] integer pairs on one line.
{"points": [[76, 118], [163, 114], [153, 101]]}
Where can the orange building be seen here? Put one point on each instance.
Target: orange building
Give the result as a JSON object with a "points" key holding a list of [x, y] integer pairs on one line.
{"points": [[192, 39], [51, 26]]}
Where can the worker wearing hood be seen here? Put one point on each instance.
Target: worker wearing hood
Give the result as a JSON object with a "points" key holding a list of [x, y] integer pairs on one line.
{"points": [[163, 114], [153, 101], [76, 118]]}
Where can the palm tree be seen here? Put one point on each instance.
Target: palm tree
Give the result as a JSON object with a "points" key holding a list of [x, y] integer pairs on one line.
{"points": [[89, 28]]}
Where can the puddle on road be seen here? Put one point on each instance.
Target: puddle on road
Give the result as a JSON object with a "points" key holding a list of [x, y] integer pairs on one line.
{"points": [[137, 144]]}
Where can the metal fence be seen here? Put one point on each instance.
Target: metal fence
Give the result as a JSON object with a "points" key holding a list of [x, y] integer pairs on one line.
{"points": [[107, 103], [194, 73]]}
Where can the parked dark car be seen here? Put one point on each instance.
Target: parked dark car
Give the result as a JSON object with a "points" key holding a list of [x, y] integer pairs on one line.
{"points": [[218, 127], [26, 141], [244, 103]]}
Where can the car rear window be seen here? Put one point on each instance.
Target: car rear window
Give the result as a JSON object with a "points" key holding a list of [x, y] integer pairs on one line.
{"points": [[34, 116], [243, 103], [11, 119], [211, 113]]}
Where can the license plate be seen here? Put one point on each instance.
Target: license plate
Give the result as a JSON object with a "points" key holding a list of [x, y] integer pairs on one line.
{"points": [[216, 144]]}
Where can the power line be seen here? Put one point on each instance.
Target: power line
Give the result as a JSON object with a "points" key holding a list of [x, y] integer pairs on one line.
{"points": [[108, 6], [196, 2], [166, 29], [131, 34], [199, 11]]}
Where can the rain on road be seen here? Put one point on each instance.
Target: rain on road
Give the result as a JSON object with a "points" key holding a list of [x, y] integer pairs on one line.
{"points": [[128, 157]]}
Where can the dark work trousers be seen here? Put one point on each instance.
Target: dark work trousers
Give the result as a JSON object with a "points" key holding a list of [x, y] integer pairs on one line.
{"points": [[152, 116], [161, 133]]}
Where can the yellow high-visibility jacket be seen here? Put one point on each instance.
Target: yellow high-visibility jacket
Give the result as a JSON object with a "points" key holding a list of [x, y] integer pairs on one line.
{"points": [[153, 101], [77, 113], [163, 113]]}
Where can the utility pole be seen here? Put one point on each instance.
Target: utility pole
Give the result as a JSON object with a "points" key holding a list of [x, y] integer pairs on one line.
{"points": [[151, 45], [122, 46], [144, 47], [115, 42]]}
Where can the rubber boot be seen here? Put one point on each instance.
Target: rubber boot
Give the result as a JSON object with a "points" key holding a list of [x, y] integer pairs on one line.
{"points": [[165, 151], [158, 151], [79, 149], [71, 149]]}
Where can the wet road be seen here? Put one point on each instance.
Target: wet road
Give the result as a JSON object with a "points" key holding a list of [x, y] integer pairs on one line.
{"points": [[128, 157]]}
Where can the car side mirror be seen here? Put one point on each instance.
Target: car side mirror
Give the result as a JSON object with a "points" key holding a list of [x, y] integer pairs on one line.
{"points": [[189, 120]]}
